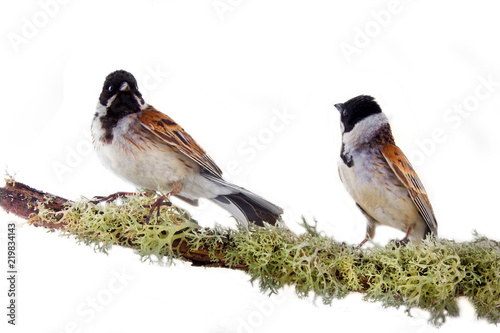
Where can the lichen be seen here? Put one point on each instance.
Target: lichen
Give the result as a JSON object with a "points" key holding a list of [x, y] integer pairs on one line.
{"points": [[121, 222], [430, 276]]}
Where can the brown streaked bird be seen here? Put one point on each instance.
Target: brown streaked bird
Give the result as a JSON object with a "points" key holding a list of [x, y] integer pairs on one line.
{"points": [[149, 149], [378, 176]]}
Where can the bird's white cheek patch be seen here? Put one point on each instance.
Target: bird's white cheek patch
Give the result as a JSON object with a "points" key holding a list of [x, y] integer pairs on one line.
{"points": [[111, 100], [140, 102]]}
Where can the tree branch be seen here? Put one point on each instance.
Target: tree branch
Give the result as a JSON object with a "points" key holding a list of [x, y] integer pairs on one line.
{"points": [[23, 201], [430, 276]]}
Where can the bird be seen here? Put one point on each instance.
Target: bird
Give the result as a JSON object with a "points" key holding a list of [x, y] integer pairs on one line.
{"points": [[149, 149], [378, 176]]}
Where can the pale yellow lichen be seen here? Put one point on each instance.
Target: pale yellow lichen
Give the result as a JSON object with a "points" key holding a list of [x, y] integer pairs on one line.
{"points": [[430, 276]]}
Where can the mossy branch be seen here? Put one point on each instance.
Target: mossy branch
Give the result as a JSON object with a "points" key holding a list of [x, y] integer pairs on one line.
{"points": [[431, 276]]}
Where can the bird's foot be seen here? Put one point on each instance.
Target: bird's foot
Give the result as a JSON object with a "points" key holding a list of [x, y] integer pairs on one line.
{"points": [[405, 240], [111, 197], [177, 188], [400, 243], [156, 206]]}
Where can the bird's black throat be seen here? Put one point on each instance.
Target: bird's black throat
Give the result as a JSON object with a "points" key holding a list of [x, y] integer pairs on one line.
{"points": [[124, 104], [346, 158]]}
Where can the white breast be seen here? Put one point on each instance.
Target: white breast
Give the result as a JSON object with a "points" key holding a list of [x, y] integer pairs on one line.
{"points": [[376, 189], [139, 157]]}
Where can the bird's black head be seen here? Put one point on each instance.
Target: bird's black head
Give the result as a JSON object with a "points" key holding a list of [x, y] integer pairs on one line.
{"points": [[120, 88], [357, 109]]}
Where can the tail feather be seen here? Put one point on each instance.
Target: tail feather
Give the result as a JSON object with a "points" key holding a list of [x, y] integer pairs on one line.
{"points": [[244, 205], [246, 210]]}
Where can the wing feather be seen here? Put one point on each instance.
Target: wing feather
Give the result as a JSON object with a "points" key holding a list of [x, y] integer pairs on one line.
{"points": [[166, 129], [407, 175]]}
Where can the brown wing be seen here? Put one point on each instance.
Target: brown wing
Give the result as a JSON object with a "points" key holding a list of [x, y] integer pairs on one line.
{"points": [[169, 131], [404, 171]]}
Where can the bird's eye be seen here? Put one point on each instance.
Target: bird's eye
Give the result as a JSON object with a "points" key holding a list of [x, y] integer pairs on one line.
{"points": [[110, 88]]}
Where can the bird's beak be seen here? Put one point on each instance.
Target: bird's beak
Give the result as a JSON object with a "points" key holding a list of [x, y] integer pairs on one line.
{"points": [[124, 87], [340, 107]]}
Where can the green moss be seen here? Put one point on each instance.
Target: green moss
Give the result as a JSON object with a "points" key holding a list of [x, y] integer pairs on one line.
{"points": [[430, 276]]}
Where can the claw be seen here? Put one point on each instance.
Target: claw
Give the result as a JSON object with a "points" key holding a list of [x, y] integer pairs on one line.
{"points": [[111, 197], [177, 188], [401, 243], [157, 205], [405, 240]]}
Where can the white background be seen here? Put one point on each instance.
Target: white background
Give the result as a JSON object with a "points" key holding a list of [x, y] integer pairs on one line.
{"points": [[225, 73]]}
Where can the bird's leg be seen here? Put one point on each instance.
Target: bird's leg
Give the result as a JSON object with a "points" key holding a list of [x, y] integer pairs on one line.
{"points": [[177, 188], [405, 240], [361, 244], [370, 228], [111, 197], [371, 224]]}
